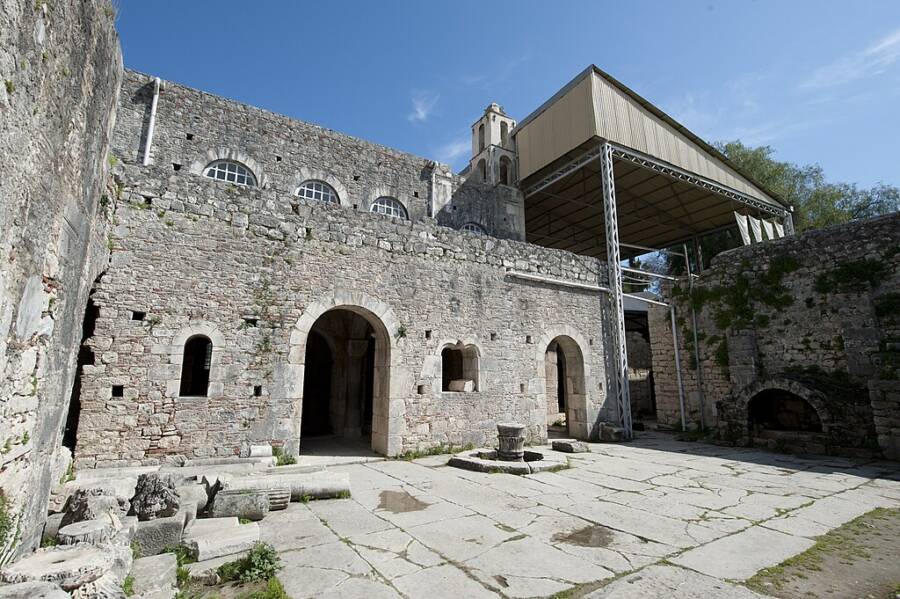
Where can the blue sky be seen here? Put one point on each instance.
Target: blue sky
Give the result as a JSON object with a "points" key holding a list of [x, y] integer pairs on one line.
{"points": [[818, 80]]}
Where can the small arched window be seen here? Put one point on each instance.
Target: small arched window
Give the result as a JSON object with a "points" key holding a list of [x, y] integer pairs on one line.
{"points": [[318, 191], [482, 170], [473, 228], [481, 137], [504, 133], [459, 368], [504, 170], [195, 366], [228, 170], [389, 207]]}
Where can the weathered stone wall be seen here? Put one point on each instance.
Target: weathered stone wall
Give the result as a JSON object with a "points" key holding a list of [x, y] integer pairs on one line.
{"points": [[61, 67], [820, 310], [201, 256]]}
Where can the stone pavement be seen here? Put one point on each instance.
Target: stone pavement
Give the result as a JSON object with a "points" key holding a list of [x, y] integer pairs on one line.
{"points": [[655, 517]]}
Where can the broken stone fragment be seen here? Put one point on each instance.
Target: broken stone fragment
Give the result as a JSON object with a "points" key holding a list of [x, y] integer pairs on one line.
{"points": [[155, 496], [154, 536], [90, 504], [462, 385], [252, 504], [69, 566], [260, 451], [87, 531], [155, 574], [33, 590], [227, 541], [570, 446]]}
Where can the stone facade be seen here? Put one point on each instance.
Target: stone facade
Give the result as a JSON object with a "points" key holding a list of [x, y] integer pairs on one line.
{"points": [[254, 270], [817, 315], [61, 67]]}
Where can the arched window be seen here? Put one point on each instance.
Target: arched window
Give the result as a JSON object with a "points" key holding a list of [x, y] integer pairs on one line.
{"points": [[482, 170], [504, 133], [317, 190], [505, 168], [389, 206], [459, 368], [481, 137], [228, 170], [473, 228], [195, 366]]}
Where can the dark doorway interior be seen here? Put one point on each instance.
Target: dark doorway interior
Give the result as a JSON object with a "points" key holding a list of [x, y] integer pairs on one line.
{"points": [[339, 377], [195, 367], [85, 358], [317, 388], [778, 410], [561, 380]]}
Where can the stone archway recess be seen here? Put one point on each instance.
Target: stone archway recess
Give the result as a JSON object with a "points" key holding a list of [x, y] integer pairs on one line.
{"points": [[814, 398], [388, 403], [579, 378]]}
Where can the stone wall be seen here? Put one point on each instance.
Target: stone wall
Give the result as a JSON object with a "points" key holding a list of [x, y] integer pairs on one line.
{"points": [[61, 67], [197, 256], [820, 310]]}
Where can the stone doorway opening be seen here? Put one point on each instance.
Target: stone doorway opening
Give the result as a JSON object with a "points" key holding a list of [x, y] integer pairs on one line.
{"points": [[777, 410], [345, 381], [564, 379]]}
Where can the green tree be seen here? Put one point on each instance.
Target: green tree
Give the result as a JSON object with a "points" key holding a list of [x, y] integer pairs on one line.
{"points": [[817, 203]]}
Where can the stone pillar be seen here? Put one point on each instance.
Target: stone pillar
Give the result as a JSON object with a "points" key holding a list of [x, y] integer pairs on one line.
{"points": [[512, 442], [356, 387]]}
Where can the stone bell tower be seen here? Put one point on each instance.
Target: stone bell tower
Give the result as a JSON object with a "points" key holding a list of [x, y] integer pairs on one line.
{"points": [[493, 150]]}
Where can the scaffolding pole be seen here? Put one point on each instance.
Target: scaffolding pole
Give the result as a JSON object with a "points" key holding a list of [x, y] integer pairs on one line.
{"points": [[700, 394], [620, 355], [678, 367]]}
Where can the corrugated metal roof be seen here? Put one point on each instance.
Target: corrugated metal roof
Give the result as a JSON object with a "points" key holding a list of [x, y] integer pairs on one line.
{"points": [[595, 104]]}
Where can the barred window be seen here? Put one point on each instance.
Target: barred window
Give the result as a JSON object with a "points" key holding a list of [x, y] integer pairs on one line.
{"points": [[473, 228], [389, 206], [317, 190], [228, 170]]}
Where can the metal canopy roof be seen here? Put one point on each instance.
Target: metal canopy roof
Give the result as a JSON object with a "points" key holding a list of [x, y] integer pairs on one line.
{"points": [[670, 185]]}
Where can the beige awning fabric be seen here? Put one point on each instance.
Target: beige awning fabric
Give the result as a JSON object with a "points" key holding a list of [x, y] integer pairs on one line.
{"points": [[670, 185]]}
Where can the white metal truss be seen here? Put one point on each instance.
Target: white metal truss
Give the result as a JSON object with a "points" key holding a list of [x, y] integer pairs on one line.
{"points": [[564, 171], [673, 171], [619, 375]]}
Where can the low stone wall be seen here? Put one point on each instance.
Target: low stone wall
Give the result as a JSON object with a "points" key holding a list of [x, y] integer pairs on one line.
{"points": [[61, 68], [195, 255], [820, 309]]}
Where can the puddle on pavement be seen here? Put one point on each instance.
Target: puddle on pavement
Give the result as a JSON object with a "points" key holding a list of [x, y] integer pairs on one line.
{"points": [[589, 536], [399, 502]]}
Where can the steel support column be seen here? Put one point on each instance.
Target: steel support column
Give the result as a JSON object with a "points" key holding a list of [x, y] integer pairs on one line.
{"points": [[620, 357], [700, 394]]}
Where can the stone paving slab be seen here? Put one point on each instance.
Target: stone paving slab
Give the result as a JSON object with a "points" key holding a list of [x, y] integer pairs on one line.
{"points": [[740, 556], [422, 529], [672, 583]]}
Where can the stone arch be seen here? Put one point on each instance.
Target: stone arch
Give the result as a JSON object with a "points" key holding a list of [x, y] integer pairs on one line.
{"points": [[306, 173], [225, 153], [176, 356], [579, 377], [388, 423], [814, 398], [391, 192], [506, 172]]}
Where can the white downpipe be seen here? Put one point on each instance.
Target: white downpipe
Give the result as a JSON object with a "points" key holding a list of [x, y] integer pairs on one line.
{"points": [[156, 85]]}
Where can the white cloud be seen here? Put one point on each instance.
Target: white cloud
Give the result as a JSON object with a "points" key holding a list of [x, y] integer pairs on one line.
{"points": [[872, 61], [423, 103], [451, 152]]}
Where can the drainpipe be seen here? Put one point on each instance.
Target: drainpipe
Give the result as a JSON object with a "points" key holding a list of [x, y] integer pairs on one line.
{"points": [[157, 84]]}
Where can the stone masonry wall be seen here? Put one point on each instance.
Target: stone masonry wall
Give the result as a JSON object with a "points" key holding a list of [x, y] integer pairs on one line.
{"points": [[197, 254], [60, 68], [819, 312]]}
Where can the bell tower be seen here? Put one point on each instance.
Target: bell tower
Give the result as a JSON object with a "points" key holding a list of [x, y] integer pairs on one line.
{"points": [[493, 150]]}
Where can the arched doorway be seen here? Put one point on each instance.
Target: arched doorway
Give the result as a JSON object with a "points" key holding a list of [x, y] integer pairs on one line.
{"points": [[345, 380], [781, 410], [564, 379]]}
